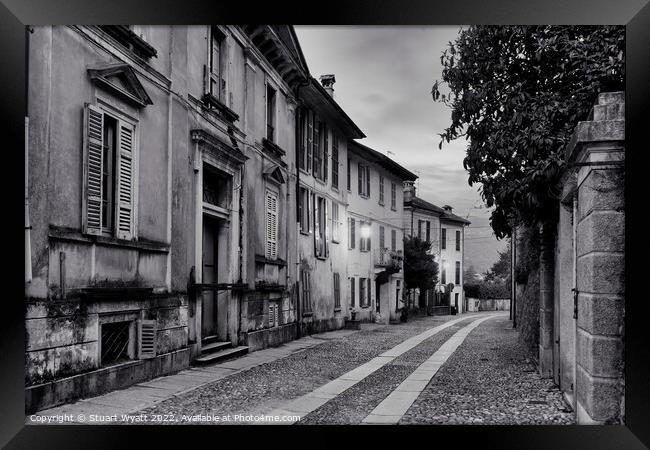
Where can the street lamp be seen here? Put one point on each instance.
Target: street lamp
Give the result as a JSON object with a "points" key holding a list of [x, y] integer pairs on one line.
{"points": [[365, 231]]}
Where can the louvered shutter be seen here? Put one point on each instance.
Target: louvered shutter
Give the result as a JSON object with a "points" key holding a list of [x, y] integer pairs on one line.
{"points": [[271, 225], [94, 142], [326, 237], [360, 173], [325, 153], [146, 339], [310, 139], [125, 180], [368, 181], [317, 228], [317, 149]]}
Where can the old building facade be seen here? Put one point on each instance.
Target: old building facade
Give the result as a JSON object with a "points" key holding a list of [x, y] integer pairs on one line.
{"points": [[446, 233], [324, 131], [375, 237]]}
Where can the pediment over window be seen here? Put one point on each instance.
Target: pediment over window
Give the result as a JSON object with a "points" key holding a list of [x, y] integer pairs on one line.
{"points": [[273, 173], [121, 80]]}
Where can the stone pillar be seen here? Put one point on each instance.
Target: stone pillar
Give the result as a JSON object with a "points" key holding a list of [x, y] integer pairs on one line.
{"points": [[546, 299], [597, 151]]}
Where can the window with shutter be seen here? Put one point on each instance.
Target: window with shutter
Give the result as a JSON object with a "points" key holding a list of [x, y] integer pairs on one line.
{"points": [[109, 174], [335, 222], [381, 189], [317, 227], [457, 240], [318, 163], [352, 238], [381, 237], [146, 339], [443, 238], [393, 240], [352, 292], [428, 236], [271, 225], [393, 196], [337, 290], [362, 292]]}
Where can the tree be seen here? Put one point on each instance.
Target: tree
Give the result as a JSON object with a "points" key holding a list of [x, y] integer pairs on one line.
{"points": [[500, 270], [420, 267], [516, 93]]}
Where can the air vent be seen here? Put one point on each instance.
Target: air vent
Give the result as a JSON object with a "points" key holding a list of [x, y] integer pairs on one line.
{"points": [[146, 339]]}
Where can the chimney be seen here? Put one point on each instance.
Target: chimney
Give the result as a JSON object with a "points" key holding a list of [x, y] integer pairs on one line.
{"points": [[409, 190], [328, 83], [447, 208]]}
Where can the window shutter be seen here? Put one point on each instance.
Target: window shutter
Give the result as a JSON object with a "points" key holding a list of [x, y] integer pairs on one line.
{"points": [[353, 294], [271, 225], [206, 79], [125, 180], [94, 142], [325, 152], [310, 139], [317, 227], [316, 144], [368, 181], [360, 172], [326, 237], [146, 339]]}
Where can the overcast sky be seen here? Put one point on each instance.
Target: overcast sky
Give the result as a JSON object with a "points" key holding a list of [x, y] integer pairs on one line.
{"points": [[384, 76]]}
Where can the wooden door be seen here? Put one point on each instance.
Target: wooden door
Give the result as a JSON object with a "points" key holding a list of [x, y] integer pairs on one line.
{"points": [[209, 267]]}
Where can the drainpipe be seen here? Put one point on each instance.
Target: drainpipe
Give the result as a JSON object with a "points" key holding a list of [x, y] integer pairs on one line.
{"points": [[28, 227]]}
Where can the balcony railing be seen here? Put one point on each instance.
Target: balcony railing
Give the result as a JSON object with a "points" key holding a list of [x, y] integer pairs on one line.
{"points": [[385, 257]]}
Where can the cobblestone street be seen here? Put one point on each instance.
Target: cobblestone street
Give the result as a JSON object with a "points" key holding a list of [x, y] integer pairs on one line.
{"points": [[467, 369]]}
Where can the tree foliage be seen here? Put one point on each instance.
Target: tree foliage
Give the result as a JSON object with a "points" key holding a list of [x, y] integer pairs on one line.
{"points": [[516, 93], [420, 268]]}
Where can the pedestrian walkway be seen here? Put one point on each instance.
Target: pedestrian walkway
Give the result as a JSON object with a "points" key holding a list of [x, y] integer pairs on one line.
{"points": [[146, 394]]}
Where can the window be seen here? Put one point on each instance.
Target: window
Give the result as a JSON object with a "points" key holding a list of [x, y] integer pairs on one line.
{"points": [[369, 291], [304, 211], [115, 340], [420, 222], [217, 83], [335, 161], [362, 292], [216, 187], [305, 281], [320, 227], [397, 293], [337, 291], [457, 272], [428, 231], [307, 139], [443, 239], [457, 240], [364, 180], [381, 237], [381, 189], [349, 175], [393, 240], [352, 293], [271, 225], [109, 155], [352, 233], [443, 275], [335, 222], [320, 150], [270, 113], [393, 196]]}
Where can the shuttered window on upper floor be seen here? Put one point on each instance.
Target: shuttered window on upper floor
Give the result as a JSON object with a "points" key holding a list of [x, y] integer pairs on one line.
{"points": [[109, 174], [271, 225]]}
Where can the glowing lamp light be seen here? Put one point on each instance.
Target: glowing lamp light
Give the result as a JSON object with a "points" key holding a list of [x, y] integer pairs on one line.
{"points": [[365, 231]]}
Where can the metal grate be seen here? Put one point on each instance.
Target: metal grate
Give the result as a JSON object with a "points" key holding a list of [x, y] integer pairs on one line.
{"points": [[115, 342]]}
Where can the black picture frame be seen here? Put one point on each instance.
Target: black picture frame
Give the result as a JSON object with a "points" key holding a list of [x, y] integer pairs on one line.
{"points": [[635, 14]]}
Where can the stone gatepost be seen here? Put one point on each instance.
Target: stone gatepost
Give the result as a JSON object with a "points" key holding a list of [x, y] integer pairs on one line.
{"points": [[546, 299], [597, 152]]}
